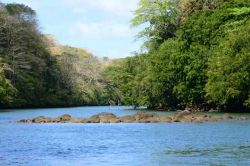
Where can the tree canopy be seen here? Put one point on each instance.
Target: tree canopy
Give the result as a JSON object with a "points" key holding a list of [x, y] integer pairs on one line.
{"points": [[204, 64], [35, 71], [197, 56]]}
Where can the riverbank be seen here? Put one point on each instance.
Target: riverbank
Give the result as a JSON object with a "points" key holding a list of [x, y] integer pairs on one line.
{"points": [[140, 117]]}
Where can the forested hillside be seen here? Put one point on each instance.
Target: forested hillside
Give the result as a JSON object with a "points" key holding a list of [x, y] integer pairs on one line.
{"points": [[35, 71], [197, 54]]}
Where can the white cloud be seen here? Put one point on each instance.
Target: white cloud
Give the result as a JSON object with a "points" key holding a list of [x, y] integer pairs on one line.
{"points": [[106, 10], [101, 30], [118, 7], [102, 26], [78, 10]]}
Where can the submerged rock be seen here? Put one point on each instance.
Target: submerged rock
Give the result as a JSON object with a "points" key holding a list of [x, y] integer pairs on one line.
{"points": [[140, 117], [243, 118], [227, 117]]}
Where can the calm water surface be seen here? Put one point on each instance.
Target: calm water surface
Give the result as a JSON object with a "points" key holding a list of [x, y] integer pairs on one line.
{"points": [[215, 144]]}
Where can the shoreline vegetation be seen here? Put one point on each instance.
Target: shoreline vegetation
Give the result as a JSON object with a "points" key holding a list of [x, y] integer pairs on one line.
{"points": [[140, 117], [195, 56]]}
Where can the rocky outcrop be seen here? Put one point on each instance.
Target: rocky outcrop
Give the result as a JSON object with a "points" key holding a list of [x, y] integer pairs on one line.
{"points": [[127, 119], [227, 117], [106, 117], [243, 118], [65, 118]]}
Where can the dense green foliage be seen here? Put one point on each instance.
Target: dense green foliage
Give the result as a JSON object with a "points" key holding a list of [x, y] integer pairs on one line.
{"points": [[37, 72], [197, 54], [204, 63]]}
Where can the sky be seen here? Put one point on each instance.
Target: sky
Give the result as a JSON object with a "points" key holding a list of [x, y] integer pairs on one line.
{"points": [[100, 26]]}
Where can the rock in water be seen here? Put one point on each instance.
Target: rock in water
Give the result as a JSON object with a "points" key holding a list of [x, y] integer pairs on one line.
{"points": [[243, 118], [140, 117], [106, 114], [65, 117], [227, 117], [127, 119], [41, 119]]}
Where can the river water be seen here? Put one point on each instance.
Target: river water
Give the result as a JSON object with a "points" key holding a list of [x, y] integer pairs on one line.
{"points": [[212, 144]]}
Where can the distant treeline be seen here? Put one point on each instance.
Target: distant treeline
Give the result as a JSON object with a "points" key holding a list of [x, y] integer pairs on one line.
{"points": [[37, 72], [196, 54]]}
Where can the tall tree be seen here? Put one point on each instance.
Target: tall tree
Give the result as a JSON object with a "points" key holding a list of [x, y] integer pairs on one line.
{"points": [[160, 20]]}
